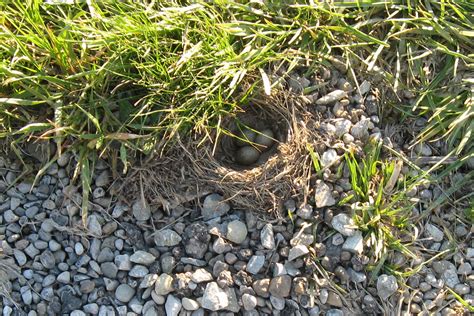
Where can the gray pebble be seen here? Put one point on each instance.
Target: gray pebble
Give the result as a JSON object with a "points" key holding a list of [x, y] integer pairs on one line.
{"points": [[124, 293]]}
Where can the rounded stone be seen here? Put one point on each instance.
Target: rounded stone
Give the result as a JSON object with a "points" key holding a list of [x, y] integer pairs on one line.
{"points": [[124, 293], [236, 232]]}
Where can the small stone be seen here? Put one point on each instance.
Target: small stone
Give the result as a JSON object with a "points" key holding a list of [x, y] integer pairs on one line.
{"points": [[334, 312], [78, 248], [343, 126], [297, 251], [94, 226], [323, 296], [123, 262], [201, 275], [386, 286], [189, 304], [356, 277], [364, 87], [109, 270], [164, 284], [465, 268], [20, 257], [280, 286], [337, 239], [236, 232], [302, 239], [462, 289], [334, 299], [10, 217], [341, 273], [214, 297], [329, 157], [138, 271], [261, 287], [102, 179], [167, 238], [423, 149], [26, 295], [331, 97], [214, 206], [278, 303], [172, 306], [249, 301], [220, 246], [267, 238], [91, 308], [434, 232], [196, 240], [87, 286], [354, 243], [323, 195], [142, 257], [64, 277], [124, 293], [148, 281], [105, 255], [343, 224], [77, 313], [360, 130], [47, 259], [305, 212], [255, 264], [141, 211]]}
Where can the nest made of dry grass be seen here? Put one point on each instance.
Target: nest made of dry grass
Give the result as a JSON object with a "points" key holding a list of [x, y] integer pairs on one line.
{"points": [[193, 168]]}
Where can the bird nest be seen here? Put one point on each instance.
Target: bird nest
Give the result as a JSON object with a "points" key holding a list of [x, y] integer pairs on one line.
{"points": [[193, 168]]}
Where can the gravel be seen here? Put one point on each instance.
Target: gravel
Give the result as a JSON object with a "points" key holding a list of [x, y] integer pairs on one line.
{"points": [[386, 286], [214, 206], [323, 195], [255, 264], [124, 293], [167, 238], [343, 224], [214, 297], [236, 232], [267, 238]]}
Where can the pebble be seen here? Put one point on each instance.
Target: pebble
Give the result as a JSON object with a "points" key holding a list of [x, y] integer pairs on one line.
{"points": [[164, 284], [297, 251], [214, 297], [261, 287], [167, 238], [141, 211], [94, 226], [278, 303], [123, 262], [354, 243], [214, 206], [323, 195], [386, 286], [236, 232], [189, 304], [280, 286], [124, 293], [331, 97], [47, 259], [465, 268], [328, 158], [267, 238], [305, 212], [334, 299], [360, 130], [109, 270], [172, 305], [334, 312], [10, 217], [64, 277], [343, 126], [255, 264], [102, 179], [78, 248], [142, 257], [462, 289], [20, 257], [434, 232], [148, 281], [343, 224], [201, 275], [249, 301], [138, 271]]}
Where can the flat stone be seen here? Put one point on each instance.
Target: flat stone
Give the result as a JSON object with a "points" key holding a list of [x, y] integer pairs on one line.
{"points": [[167, 238], [189, 304], [138, 271], [267, 238], [302, 239], [172, 305], [193, 262], [64, 277], [164, 284], [124, 293], [233, 305], [141, 211], [280, 286], [297, 251], [109, 270], [142, 257], [434, 232], [214, 206], [214, 297], [386, 286], [148, 281], [354, 243], [329, 157], [201, 275], [236, 232], [249, 301], [255, 264], [331, 97], [323, 195], [94, 225], [343, 224]]}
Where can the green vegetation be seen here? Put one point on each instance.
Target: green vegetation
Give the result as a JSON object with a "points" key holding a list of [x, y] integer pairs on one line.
{"points": [[132, 75]]}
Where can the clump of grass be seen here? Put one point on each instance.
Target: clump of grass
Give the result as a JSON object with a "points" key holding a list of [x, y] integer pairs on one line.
{"points": [[381, 208]]}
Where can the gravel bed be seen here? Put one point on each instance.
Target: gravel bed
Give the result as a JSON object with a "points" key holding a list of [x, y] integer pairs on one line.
{"points": [[208, 258]]}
